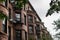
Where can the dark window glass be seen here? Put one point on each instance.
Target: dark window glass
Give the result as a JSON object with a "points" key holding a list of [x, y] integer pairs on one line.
{"points": [[6, 2], [24, 19], [30, 29], [18, 17], [35, 19], [9, 33], [4, 25], [18, 34], [38, 36], [25, 35], [30, 18], [9, 13], [37, 28]]}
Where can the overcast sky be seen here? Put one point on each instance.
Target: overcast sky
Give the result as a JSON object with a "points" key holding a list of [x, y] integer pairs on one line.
{"points": [[41, 7]]}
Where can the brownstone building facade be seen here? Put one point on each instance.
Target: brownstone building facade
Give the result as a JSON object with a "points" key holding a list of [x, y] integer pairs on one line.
{"points": [[21, 24]]}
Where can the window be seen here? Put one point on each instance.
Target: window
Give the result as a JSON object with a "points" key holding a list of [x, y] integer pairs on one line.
{"points": [[24, 19], [30, 29], [30, 18], [35, 19], [4, 25], [25, 35], [9, 33], [18, 35], [9, 13], [37, 28], [12, 1], [6, 3], [38, 36], [18, 17]]}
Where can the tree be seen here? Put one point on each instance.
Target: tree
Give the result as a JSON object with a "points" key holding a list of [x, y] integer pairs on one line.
{"points": [[54, 7], [57, 35], [19, 5], [2, 16], [57, 23]]}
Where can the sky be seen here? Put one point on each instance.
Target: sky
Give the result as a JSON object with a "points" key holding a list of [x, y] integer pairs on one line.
{"points": [[41, 7]]}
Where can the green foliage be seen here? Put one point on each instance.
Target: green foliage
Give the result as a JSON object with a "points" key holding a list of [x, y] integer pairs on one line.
{"points": [[20, 3], [2, 0], [25, 1], [57, 23], [54, 6], [57, 35], [2, 16]]}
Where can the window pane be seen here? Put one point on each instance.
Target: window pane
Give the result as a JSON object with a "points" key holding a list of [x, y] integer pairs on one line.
{"points": [[9, 33], [18, 17], [4, 25], [24, 19], [18, 34], [37, 28], [25, 35], [30, 18], [38, 36], [9, 13], [30, 29]]}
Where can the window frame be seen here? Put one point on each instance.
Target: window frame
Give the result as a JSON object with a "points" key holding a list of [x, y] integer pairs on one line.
{"points": [[4, 25], [30, 20], [24, 19], [17, 32], [31, 31], [37, 28], [9, 13], [9, 33], [19, 19]]}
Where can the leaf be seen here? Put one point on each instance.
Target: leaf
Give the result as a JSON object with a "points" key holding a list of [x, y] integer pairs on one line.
{"points": [[20, 3], [2, 16], [54, 5], [49, 12]]}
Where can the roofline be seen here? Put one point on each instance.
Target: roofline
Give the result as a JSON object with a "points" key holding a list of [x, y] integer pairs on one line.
{"points": [[34, 10]]}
